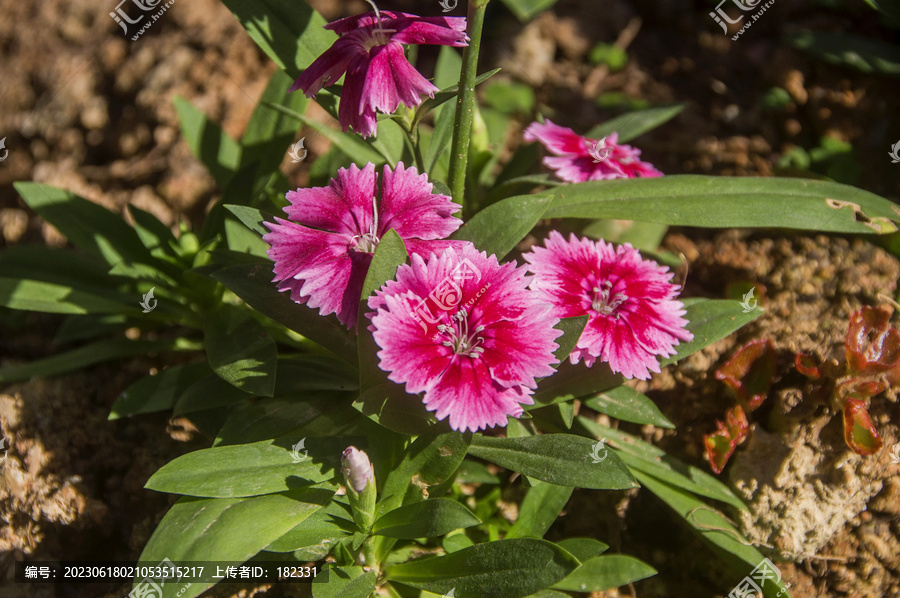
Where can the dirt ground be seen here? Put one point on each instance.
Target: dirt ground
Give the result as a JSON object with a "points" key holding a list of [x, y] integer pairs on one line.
{"points": [[84, 108]]}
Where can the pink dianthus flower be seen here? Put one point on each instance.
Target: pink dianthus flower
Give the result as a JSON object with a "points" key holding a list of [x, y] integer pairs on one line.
{"points": [[379, 77], [633, 316], [464, 330], [322, 254], [579, 159]]}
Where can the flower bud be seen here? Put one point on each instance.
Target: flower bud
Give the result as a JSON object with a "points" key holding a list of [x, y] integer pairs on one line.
{"points": [[357, 468]]}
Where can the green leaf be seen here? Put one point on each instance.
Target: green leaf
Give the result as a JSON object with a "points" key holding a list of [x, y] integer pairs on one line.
{"points": [[290, 33], [90, 354], [388, 256], [644, 457], [498, 228], [583, 548], [155, 235], [475, 472], [572, 329], [344, 582], [426, 519], [252, 283], [562, 459], [208, 142], [713, 528], [313, 538], [240, 350], [33, 295], [602, 573], [390, 406], [862, 53], [208, 392], [61, 266], [207, 529], [572, 382], [629, 405], [446, 74], [251, 217], [158, 392], [891, 11], [84, 223], [269, 133], [263, 467], [431, 460], [636, 123], [723, 202], [268, 418], [505, 568], [541, 507], [449, 93], [710, 320], [526, 10]]}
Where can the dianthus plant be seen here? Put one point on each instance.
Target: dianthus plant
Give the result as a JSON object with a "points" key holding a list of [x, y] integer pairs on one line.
{"points": [[381, 352]]}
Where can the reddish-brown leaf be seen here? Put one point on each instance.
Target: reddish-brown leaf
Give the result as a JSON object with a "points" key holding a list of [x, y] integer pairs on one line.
{"points": [[859, 433], [873, 345], [749, 372], [807, 366], [720, 444]]}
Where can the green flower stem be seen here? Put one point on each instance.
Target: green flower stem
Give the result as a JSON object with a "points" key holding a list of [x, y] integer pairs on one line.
{"points": [[462, 126]]}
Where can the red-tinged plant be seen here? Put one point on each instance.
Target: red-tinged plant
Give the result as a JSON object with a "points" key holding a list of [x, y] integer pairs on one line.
{"points": [[872, 366], [749, 374]]}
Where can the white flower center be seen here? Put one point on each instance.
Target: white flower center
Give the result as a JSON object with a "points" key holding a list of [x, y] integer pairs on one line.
{"points": [[380, 35], [600, 300], [458, 336], [366, 243]]}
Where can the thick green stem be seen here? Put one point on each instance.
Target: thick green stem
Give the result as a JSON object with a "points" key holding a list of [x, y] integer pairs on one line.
{"points": [[462, 127]]}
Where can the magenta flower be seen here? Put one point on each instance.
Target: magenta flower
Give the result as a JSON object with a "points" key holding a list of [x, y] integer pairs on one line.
{"points": [[466, 331], [379, 77], [633, 314], [322, 254], [580, 159]]}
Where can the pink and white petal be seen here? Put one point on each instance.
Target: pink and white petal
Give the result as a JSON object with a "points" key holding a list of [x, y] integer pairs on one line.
{"points": [[562, 141], [428, 248], [410, 208], [517, 352], [467, 394], [379, 91], [366, 19], [626, 356], [570, 169], [326, 69], [331, 278], [408, 351], [443, 31], [352, 112]]}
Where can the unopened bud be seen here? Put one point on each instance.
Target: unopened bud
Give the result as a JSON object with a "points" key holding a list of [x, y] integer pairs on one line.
{"points": [[357, 468]]}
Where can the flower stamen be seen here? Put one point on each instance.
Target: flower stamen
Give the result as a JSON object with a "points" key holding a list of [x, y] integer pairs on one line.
{"points": [[380, 33], [366, 243], [601, 303], [460, 339]]}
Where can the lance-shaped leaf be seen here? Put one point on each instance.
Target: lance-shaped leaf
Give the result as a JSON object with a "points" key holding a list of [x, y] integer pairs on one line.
{"points": [[240, 350], [426, 519], [604, 572], [503, 569], [724, 202], [749, 372], [562, 459]]}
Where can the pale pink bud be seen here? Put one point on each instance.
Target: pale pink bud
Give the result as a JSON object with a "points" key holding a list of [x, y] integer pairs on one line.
{"points": [[357, 468]]}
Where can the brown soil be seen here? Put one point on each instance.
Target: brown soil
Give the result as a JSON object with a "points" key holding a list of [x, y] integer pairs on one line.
{"points": [[85, 109]]}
